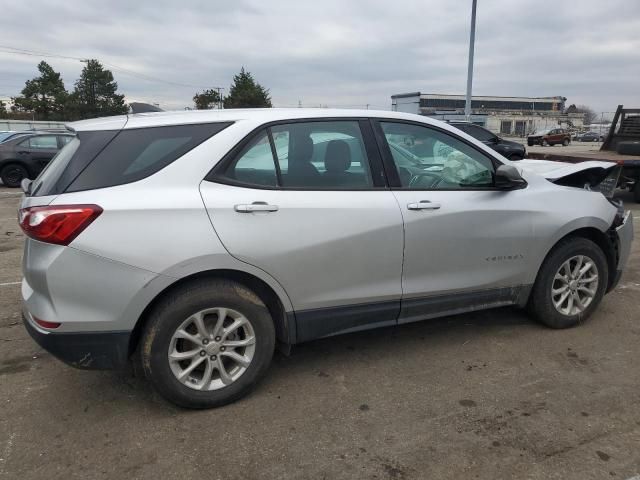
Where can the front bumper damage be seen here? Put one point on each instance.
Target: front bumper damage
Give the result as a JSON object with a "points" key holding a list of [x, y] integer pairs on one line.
{"points": [[624, 238]]}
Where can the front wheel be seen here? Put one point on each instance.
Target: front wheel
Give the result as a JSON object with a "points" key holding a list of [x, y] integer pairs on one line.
{"points": [[565, 142], [545, 143], [207, 344], [570, 284], [13, 174]]}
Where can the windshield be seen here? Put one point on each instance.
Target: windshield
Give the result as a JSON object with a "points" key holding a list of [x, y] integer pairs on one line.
{"points": [[543, 131]]}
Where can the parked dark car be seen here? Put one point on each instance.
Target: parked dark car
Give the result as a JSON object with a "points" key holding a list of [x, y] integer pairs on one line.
{"points": [[549, 136], [589, 137], [507, 148], [25, 155]]}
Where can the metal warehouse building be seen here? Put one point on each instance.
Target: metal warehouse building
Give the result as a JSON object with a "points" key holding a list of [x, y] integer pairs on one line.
{"points": [[504, 115]]}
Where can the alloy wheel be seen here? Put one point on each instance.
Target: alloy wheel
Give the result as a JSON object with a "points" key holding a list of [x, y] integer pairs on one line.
{"points": [[212, 348], [575, 285]]}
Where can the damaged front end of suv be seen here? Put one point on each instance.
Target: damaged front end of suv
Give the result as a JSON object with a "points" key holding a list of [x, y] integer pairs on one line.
{"points": [[594, 176]]}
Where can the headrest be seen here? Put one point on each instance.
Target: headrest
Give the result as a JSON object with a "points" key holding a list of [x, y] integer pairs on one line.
{"points": [[337, 157], [302, 150]]}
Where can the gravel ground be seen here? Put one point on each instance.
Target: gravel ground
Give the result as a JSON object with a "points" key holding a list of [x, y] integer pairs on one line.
{"points": [[488, 395]]}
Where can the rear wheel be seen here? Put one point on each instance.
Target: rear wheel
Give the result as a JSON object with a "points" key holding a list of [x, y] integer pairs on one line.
{"points": [[570, 284], [565, 142], [207, 344], [13, 174]]}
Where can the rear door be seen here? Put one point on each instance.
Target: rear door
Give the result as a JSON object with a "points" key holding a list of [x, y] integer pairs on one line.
{"points": [[319, 219]]}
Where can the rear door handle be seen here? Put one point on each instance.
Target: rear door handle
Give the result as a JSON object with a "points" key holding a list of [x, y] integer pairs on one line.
{"points": [[423, 205], [255, 207]]}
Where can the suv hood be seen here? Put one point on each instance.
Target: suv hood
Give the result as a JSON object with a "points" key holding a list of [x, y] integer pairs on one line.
{"points": [[557, 170], [591, 175]]}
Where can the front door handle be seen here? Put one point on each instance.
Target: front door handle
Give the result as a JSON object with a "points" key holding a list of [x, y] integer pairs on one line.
{"points": [[255, 207], [423, 205]]}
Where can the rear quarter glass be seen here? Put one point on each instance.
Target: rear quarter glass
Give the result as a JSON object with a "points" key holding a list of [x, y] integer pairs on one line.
{"points": [[70, 161], [138, 153]]}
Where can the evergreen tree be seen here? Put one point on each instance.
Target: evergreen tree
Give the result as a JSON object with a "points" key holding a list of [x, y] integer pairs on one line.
{"points": [[95, 94], [245, 92], [45, 95], [206, 100]]}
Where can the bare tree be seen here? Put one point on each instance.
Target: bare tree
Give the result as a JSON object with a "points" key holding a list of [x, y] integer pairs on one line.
{"points": [[590, 115]]}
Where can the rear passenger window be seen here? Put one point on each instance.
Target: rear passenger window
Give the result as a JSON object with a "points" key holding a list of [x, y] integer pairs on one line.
{"points": [[254, 164], [45, 142], [137, 153], [310, 155]]}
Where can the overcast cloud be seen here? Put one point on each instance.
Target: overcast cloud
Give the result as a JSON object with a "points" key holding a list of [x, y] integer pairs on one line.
{"points": [[336, 53]]}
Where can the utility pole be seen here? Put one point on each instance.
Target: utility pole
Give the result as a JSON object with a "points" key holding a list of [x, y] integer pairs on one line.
{"points": [[472, 41], [220, 103], [92, 89]]}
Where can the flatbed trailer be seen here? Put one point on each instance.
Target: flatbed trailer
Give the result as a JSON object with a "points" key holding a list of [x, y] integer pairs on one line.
{"points": [[624, 135]]}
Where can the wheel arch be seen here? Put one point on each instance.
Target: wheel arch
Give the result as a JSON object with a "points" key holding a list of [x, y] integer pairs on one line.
{"points": [[604, 240], [283, 320]]}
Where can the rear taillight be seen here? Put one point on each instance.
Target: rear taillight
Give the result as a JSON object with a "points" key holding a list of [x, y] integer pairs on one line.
{"points": [[58, 224]]}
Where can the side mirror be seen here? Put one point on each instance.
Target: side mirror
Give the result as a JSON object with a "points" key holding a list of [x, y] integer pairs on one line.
{"points": [[495, 140], [508, 177]]}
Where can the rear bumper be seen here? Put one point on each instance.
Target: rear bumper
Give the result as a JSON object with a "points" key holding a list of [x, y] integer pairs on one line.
{"points": [[85, 350]]}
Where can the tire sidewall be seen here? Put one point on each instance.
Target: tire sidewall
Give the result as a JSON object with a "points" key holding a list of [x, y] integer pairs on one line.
{"points": [[541, 297], [168, 316]]}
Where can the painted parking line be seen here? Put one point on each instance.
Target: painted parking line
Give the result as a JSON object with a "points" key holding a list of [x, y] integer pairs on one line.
{"points": [[9, 283]]}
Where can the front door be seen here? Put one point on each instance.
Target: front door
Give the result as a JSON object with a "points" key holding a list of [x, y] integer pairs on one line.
{"points": [[465, 242], [318, 219]]}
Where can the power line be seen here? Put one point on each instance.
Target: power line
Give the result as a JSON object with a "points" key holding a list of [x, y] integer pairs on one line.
{"points": [[127, 71]]}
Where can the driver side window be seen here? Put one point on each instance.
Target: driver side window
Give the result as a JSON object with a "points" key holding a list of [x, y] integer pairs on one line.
{"points": [[427, 159]]}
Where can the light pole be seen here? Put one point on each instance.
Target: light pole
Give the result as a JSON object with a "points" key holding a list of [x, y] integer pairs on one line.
{"points": [[472, 41]]}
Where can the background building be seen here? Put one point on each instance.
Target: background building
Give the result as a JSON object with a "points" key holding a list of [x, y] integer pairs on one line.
{"points": [[502, 115]]}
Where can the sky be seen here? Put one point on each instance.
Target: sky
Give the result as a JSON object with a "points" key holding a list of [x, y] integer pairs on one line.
{"points": [[338, 53]]}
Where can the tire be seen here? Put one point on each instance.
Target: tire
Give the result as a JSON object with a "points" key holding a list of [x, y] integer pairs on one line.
{"points": [[565, 142], [13, 174], [541, 305], [180, 306], [629, 148], [530, 144], [544, 143]]}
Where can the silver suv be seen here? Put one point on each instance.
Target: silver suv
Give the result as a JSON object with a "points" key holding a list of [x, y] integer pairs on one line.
{"points": [[191, 243]]}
